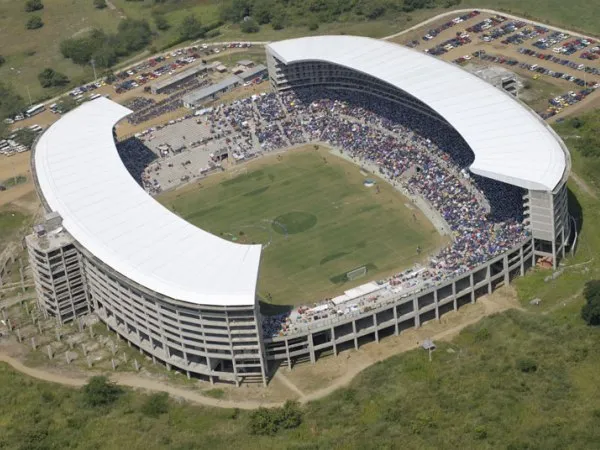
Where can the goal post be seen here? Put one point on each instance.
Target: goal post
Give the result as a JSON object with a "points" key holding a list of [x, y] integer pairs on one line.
{"points": [[357, 273]]}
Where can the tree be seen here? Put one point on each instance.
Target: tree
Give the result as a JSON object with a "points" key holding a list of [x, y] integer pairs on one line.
{"points": [[66, 104], [2, 60], [590, 312], [100, 4], [313, 24], [99, 391], [161, 22], [50, 78], [278, 18], [262, 11], [190, 28], [25, 136], [156, 404], [11, 103], [34, 22], [33, 5], [249, 25], [374, 9]]}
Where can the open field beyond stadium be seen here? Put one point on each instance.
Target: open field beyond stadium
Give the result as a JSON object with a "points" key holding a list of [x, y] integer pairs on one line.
{"points": [[315, 218]]}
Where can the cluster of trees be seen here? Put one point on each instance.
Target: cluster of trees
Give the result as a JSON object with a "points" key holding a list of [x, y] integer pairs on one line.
{"points": [[11, 104], [34, 22], [105, 49], [591, 310], [281, 13], [51, 78], [100, 4], [268, 421]]}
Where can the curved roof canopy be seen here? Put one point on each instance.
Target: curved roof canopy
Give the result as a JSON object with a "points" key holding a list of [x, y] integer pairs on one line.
{"points": [[81, 175], [510, 143]]}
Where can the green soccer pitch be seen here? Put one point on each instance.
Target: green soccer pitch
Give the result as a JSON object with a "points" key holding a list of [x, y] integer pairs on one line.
{"points": [[315, 218]]}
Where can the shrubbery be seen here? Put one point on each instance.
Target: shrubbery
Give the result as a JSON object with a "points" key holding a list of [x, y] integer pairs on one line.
{"points": [[33, 5], [51, 78], [268, 421], [34, 22], [591, 310], [156, 404], [100, 391]]}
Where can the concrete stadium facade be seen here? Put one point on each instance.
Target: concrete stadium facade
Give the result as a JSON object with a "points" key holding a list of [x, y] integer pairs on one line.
{"points": [[224, 342]]}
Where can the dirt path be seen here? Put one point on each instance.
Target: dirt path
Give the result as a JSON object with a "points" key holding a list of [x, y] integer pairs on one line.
{"points": [[137, 382]]}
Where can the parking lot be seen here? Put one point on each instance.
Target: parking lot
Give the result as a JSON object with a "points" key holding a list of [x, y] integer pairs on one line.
{"points": [[570, 63]]}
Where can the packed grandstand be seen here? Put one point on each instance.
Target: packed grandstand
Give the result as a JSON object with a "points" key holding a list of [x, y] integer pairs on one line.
{"points": [[407, 142], [417, 153]]}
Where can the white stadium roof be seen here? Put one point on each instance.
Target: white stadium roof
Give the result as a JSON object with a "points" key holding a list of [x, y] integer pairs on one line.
{"points": [[510, 143], [82, 177]]}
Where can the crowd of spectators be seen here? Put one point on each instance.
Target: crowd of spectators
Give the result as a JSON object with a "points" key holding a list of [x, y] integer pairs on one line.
{"points": [[411, 146]]}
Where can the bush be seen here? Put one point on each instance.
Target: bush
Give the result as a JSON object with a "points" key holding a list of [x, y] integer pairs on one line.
{"points": [[156, 404], [33, 5], [34, 22], [527, 365], [190, 28], [249, 25], [99, 391], [268, 422], [99, 4], [313, 25], [590, 312], [161, 22], [50, 78], [2, 60], [213, 33]]}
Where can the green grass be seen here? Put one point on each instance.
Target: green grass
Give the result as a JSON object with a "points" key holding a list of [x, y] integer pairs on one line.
{"points": [[316, 219], [28, 52], [11, 221]]}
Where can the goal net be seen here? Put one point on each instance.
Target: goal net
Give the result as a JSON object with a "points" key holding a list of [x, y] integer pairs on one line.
{"points": [[356, 273]]}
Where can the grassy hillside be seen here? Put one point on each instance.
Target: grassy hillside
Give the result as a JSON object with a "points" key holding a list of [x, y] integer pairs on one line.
{"points": [[28, 52]]}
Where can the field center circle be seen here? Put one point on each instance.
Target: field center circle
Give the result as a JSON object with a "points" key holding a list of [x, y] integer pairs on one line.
{"points": [[294, 222]]}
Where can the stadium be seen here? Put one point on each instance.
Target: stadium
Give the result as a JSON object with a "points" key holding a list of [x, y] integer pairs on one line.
{"points": [[492, 170]]}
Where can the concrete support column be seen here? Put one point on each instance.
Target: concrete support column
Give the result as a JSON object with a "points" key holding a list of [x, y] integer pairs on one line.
{"points": [[396, 331], [454, 301], [506, 271], [376, 329], [354, 333], [311, 348], [333, 341], [472, 284], [488, 277], [437, 305], [287, 354], [522, 261]]}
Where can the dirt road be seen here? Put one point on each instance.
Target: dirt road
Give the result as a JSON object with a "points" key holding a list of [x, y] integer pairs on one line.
{"points": [[138, 382]]}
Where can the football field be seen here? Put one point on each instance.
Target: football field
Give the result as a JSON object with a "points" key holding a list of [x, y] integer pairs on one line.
{"points": [[315, 218]]}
